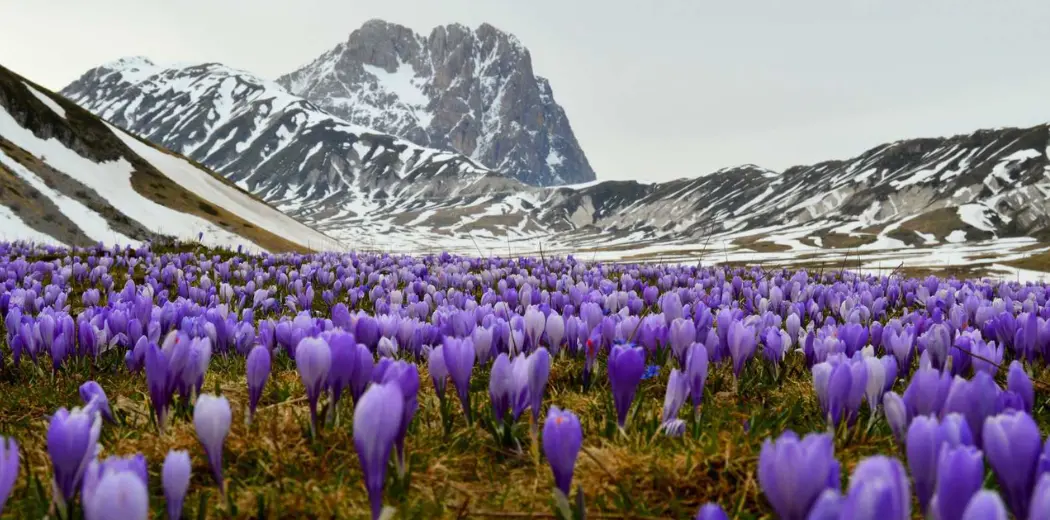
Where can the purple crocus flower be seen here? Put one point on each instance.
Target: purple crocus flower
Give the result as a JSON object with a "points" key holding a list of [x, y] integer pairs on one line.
{"points": [[539, 371], [535, 323], [937, 340], [741, 341], [960, 471], [626, 367], [1040, 499], [160, 378], [681, 334], [92, 394], [833, 383], [926, 437], [711, 511], [343, 347], [696, 372], [878, 490], [1017, 381], [363, 373], [175, 479], [377, 419], [499, 386], [459, 355], [72, 443], [8, 469], [438, 370], [211, 420], [794, 472], [116, 494], [927, 392], [258, 371], [854, 335], [406, 375], [555, 332], [677, 391], [923, 447], [987, 505], [562, 440], [313, 359], [827, 507], [901, 345], [896, 413], [1012, 444]]}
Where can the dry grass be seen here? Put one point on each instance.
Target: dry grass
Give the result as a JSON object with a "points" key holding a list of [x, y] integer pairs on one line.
{"points": [[844, 241], [464, 474], [1036, 262]]}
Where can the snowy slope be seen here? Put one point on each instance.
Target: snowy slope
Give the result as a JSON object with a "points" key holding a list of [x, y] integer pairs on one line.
{"points": [[223, 195], [76, 180]]}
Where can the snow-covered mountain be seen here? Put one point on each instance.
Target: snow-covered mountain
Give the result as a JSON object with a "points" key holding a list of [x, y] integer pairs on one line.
{"points": [[276, 145], [472, 91], [67, 177], [368, 188]]}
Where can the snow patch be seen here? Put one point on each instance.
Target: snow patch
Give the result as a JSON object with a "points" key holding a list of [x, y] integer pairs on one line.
{"points": [[219, 193], [13, 228], [112, 181], [55, 107], [93, 224], [408, 88], [976, 215]]}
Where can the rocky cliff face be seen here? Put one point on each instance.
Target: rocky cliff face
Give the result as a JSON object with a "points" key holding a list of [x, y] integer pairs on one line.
{"points": [[472, 91]]}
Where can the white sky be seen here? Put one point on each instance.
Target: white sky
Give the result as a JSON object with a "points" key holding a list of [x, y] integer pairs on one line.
{"points": [[654, 90]]}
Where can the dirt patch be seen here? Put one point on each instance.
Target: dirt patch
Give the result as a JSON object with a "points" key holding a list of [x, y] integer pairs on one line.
{"points": [[756, 244], [1036, 262], [940, 223]]}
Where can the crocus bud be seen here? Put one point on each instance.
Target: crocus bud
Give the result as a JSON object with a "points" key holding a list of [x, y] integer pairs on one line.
{"points": [[696, 372], [313, 359], [211, 420], [960, 472], [258, 371], [626, 367], [986, 505], [8, 469], [1012, 443], [562, 440], [92, 394], [117, 494], [711, 511], [459, 355], [175, 478], [878, 490], [793, 473], [72, 441], [377, 418]]}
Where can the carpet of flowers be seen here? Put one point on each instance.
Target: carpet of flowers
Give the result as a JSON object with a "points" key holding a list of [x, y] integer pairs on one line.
{"points": [[184, 382]]}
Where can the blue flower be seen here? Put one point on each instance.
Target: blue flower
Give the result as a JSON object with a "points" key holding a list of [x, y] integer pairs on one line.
{"points": [[651, 371]]}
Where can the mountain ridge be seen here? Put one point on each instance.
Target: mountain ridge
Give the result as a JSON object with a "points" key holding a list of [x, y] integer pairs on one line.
{"points": [[907, 193], [472, 91]]}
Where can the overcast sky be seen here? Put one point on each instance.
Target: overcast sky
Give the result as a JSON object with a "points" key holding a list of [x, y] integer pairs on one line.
{"points": [[655, 89]]}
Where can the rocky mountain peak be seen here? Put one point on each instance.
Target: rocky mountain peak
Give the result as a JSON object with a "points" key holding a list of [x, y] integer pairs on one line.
{"points": [[471, 91]]}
